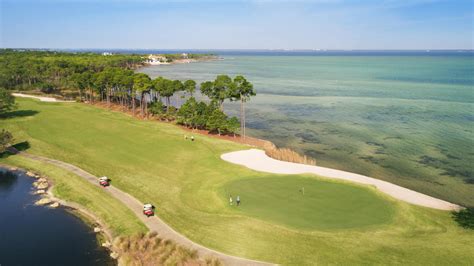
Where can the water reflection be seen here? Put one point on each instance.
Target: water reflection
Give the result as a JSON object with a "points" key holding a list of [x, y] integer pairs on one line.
{"points": [[7, 181]]}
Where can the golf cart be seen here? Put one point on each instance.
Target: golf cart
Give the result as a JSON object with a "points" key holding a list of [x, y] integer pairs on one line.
{"points": [[148, 210], [104, 181]]}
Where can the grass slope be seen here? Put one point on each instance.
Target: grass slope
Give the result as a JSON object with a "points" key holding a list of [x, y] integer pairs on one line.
{"points": [[187, 181]]}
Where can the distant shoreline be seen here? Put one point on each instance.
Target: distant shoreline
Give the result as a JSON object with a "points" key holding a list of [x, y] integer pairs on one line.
{"points": [[184, 61], [289, 52]]}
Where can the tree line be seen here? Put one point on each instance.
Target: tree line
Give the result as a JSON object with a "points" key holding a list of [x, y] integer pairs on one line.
{"points": [[145, 96], [50, 71], [111, 79]]}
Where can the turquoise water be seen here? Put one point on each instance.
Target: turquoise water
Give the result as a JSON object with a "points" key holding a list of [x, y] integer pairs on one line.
{"points": [[407, 119]]}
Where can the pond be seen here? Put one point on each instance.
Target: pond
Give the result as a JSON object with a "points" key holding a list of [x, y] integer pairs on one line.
{"points": [[37, 235]]}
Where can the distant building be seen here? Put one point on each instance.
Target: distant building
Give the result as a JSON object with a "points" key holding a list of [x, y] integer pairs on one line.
{"points": [[156, 59], [106, 53], [184, 55]]}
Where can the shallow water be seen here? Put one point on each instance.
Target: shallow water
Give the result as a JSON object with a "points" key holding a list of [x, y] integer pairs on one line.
{"points": [[35, 235], [406, 118]]}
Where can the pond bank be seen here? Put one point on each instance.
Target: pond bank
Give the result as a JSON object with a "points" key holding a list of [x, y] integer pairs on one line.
{"points": [[28, 228]]}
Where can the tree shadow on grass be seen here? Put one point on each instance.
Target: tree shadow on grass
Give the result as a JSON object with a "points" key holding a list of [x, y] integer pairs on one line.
{"points": [[22, 146], [14, 149], [18, 113], [465, 218], [469, 181]]}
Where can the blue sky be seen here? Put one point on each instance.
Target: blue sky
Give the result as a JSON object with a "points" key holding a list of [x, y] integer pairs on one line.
{"points": [[245, 24]]}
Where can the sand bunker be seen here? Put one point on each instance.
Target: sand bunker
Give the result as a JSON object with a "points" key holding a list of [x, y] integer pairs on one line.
{"points": [[257, 160]]}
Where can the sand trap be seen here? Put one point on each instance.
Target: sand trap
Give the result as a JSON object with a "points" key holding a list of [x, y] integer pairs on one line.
{"points": [[43, 99], [259, 161]]}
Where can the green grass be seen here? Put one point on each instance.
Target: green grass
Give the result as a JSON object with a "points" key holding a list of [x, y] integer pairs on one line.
{"points": [[324, 204], [187, 181]]}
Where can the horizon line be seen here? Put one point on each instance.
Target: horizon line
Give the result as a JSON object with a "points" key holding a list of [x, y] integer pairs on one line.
{"points": [[245, 49]]}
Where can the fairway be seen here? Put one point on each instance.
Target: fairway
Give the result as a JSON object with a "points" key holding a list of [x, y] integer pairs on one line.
{"points": [[324, 204], [340, 223]]}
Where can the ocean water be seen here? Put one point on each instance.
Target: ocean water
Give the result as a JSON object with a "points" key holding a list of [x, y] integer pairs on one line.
{"points": [[404, 117]]}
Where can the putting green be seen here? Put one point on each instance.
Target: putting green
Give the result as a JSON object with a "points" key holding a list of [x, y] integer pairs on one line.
{"points": [[324, 204]]}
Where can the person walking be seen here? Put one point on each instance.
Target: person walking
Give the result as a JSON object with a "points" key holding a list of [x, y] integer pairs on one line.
{"points": [[231, 200], [238, 200], [192, 138]]}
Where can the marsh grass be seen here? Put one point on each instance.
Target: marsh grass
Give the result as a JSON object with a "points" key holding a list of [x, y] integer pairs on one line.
{"points": [[151, 249], [286, 154]]}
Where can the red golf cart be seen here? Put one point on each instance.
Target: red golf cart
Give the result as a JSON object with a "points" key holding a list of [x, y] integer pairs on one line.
{"points": [[148, 210], [104, 181]]}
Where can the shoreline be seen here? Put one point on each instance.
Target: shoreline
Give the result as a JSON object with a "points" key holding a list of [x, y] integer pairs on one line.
{"points": [[89, 219], [183, 61], [260, 143], [257, 160]]}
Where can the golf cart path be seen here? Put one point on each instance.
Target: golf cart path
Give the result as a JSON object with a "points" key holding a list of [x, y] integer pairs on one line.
{"points": [[41, 98], [153, 223], [257, 160]]}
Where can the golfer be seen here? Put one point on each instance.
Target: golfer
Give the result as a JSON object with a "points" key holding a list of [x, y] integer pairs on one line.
{"points": [[238, 200], [230, 200]]}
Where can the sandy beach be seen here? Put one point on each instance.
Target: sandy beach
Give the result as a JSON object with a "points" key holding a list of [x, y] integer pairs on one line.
{"points": [[257, 160]]}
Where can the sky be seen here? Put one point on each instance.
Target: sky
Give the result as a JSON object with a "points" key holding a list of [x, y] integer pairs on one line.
{"points": [[234, 24]]}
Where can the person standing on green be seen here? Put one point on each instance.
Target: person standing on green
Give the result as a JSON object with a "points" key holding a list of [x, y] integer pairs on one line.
{"points": [[231, 200], [238, 200]]}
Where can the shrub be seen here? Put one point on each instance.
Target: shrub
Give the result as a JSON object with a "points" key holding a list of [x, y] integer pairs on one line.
{"points": [[6, 140], [157, 108], [7, 101], [206, 116], [47, 88], [232, 125], [217, 121], [465, 218]]}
